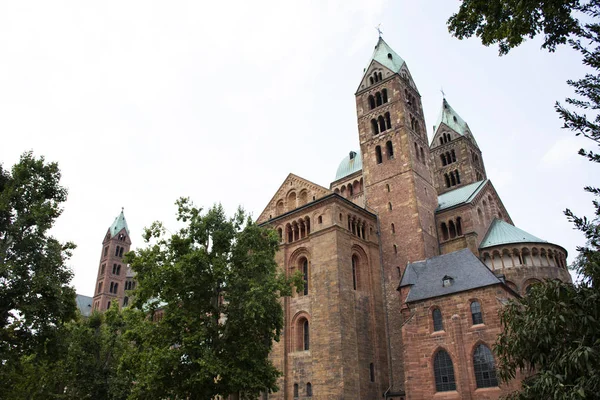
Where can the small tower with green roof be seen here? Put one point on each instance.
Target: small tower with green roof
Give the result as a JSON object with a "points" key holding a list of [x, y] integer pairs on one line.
{"points": [[112, 270], [457, 159]]}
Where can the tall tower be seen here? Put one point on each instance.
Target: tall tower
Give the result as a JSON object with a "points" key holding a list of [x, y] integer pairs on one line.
{"points": [[398, 180], [112, 271], [457, 160]]}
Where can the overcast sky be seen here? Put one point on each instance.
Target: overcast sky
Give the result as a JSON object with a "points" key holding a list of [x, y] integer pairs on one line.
{"points": [[142, 102]]}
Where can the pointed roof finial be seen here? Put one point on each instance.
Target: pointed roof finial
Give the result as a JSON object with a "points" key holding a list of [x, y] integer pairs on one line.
{"points": [[443, 94], [379, 31], [119, 224]]}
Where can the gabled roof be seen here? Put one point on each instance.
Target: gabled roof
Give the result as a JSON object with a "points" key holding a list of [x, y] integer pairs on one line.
{"points": [[451, 118], [119, 224], [501, 232], [425, 277], [385, 56], [459, 196], [349, 165], [84, 304], [291, 182]]}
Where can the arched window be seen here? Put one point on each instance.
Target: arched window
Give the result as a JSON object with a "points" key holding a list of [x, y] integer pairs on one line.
{"points": [[102, 269], [416, 151], [374, 126], [388, 120], [99, 287], [354, 272], [444, 372], [378, 155], [121, 252], [443, 157], [484, 366], [112, 286], [459, 226], [393, 228], [304, 264], [457, 177], [476, 313], [395, 249], [453, 155], [372, 372], [295, 384], [387, 187], [447, 179], [452, 179], [381, 122], [308, 390], [306, 334], [380, 76], [125, 301], [116, 288], [378, 99], [390, 206], [389, 148], [451, 229], [117, 251], [437, 320], [371, 102], [385, 95], [444, 228], [422, 155]]}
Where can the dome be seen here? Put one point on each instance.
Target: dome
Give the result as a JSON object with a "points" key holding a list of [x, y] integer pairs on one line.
{"points": [[349, 165]]}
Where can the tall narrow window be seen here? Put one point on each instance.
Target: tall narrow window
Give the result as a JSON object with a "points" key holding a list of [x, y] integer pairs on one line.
{"points": [[437, 320], [118, 269], [444, 228], [459, 226], [485, 368], [381, 123], [476, 313], [112, 286], [308, 390], [371, 102], [125, 301], [457, 177], [105, 251], [416, 150], [354, 277], [422, 155], [378, 99], [447, 179], [108, 305], [452, 179], [453, 155], [444, 372], [102, 269], [372, 372], [451, 229], [388, 120], [99, 287], [378, 156], [393, 228], [374, 126], [295, 384], [390, 206], [306, 332], [443, 157], [385, 95], [121, 252], [389, 150], [305, 275], [117, 251], [116, 288]]}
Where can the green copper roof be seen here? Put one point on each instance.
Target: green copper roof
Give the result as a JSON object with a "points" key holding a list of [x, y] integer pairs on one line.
{"points": [[451, 118], [385, 56], [349, 165], [459, 196], [118, 225], [501, 232]]}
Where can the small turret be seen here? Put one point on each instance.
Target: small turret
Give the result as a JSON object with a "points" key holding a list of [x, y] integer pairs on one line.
{"points": [[456, 155]]}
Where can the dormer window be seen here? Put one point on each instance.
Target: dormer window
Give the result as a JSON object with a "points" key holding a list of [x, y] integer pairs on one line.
{"points": [[390, 56], [447, 281]]}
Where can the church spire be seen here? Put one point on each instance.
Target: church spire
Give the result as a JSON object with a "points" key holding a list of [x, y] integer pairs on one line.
{"points": [[119, 224], [449, 117], [385, 56]]}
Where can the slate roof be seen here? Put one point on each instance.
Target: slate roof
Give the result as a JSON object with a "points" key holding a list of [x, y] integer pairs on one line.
{"points": [[459, 196], [466, 270], [349, 165], [501, 232], [84, 304], [385, 56], [118, 225]]}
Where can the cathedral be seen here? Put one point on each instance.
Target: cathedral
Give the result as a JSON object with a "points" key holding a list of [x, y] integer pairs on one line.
{"points": [[407, 257]]}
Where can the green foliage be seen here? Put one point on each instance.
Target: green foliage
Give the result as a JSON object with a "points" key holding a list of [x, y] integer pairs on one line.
{"points": [[35, 296], [212, 294], [553, 334]]}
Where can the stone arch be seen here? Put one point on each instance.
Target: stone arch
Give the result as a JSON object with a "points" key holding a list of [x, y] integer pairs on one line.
{"points": [[298, 336], [527, 284], [303, 199], [291, 200], [360, 268]]}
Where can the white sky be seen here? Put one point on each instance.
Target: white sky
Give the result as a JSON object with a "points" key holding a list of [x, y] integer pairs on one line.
{"points": [[142, 102]]}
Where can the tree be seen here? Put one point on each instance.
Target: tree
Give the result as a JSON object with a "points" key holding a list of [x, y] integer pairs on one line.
{"points": [[212, 294], [554, 332], [35, 296], [88, 353]]}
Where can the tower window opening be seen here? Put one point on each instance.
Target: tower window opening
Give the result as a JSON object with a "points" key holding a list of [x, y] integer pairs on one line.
{"points": [[374, 126], [395, 249], [438, 324], [384, 94], [452, 179], [378, 155], [443, 158], [452, 229], [390, 206], [306, 335], [354, 272], [121, 252], [453, 155], [447, 179], [457, 177], [389, 150], [305, 275], [295, 384], [105, 251], [393, 228], [387, 187], [381, 123], [444, 229], [459, 226], [388, 120], [308, 390], [378, 99], [99, 287], [416, 150], [422, 155], [371, 102], [372, 372]]}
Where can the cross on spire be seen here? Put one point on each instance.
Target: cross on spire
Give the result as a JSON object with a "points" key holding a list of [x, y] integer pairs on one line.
{"points": [[379, 31], [443, 94]]}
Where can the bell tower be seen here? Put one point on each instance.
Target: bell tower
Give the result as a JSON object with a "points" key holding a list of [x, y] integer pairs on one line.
{"points": [[398, 179], [112, 271]]}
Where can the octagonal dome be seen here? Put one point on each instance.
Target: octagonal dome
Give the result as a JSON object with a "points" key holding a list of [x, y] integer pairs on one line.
{"points": [[349, 165]]}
